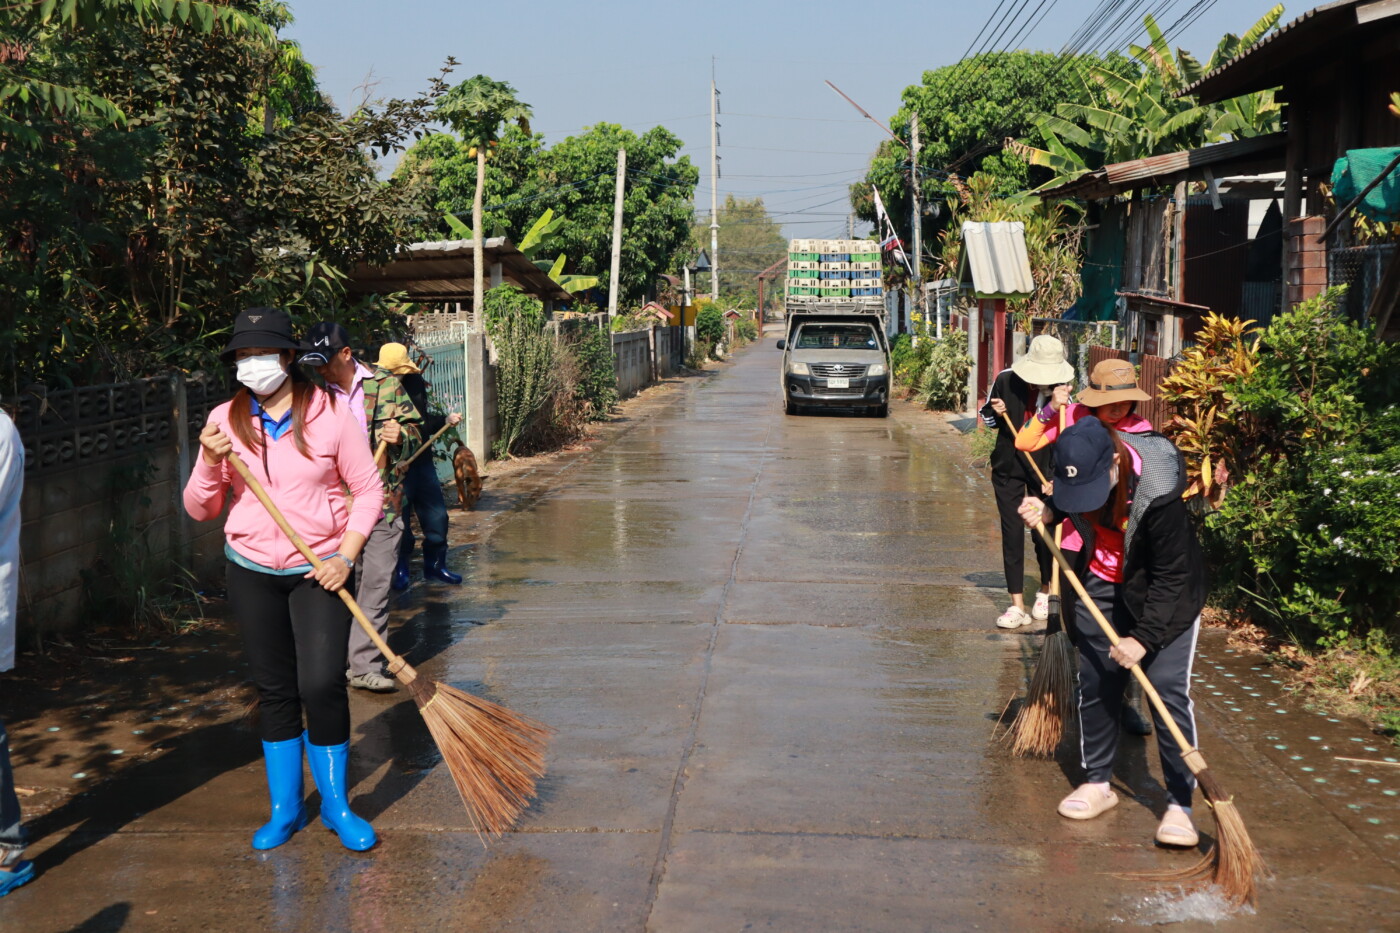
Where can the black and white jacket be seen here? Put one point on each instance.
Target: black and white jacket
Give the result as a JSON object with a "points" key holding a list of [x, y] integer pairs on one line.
{"points": [[1164, 574]]}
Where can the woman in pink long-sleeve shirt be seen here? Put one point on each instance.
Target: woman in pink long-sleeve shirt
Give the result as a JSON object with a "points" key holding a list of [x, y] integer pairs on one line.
{"points": [[310, 456]]}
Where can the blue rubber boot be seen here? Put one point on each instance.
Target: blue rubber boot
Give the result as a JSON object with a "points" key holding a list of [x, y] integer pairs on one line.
{"points": [[20, 873], [328, 769], [435, 565], [284, 786], [401, 578]]}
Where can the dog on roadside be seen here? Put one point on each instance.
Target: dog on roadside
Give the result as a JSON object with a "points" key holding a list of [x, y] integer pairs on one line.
{"points": [[468, 476]]}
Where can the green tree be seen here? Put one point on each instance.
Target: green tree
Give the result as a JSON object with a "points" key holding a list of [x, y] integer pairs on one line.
{"points": [[1145, 114], [133, 242], [476, 109], [575, 178], [966, 111], [750, 241]]}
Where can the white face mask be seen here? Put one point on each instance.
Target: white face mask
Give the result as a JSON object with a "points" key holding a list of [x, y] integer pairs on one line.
{"points": [[262, 374]]}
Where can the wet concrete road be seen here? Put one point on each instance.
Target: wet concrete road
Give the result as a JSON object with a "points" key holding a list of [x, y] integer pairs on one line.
{"points": [[766, 646]]}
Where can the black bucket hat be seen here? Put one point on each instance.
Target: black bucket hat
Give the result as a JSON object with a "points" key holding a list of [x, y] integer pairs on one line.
{"points": [[322, 342], [260, 327], [1083, 456]]}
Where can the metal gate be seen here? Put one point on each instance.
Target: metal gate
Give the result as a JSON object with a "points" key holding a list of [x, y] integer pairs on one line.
{"points": [[445, 371]]}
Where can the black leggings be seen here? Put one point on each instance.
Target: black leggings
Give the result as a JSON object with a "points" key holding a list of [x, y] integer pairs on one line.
{"points": [[296, 636], [1010, 491]]}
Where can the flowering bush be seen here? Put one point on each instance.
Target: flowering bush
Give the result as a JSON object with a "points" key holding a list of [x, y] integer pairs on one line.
{"points": [[1310, 531]]}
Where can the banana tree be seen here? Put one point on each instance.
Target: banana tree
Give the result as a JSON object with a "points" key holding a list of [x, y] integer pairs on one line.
{"points": [[536, 240], [477, 109], [1148, 114]]}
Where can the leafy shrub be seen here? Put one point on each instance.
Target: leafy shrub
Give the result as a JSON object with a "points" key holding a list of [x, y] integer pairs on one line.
{"points": [[943, 384], [524, 361], [709, 326], [745, 331], [631, 320], [908, 362], [700, 351], [1197, 392], [596, 384], [1310, 532]]}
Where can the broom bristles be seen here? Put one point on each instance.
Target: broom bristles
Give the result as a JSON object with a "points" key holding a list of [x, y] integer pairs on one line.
{"points": [[1233, 865], [494, 755], [1040, 723]]}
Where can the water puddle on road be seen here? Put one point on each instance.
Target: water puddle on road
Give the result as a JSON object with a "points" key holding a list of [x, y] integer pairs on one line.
{"points": [[1201, 905]]}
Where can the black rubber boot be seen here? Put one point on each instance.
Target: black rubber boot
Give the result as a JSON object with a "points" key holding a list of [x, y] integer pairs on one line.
{"points": [[435, 566]]}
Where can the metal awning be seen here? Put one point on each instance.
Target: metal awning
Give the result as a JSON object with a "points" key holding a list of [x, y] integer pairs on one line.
{"points": [[1171, 167], [994, 260], [1167, 305], [1321, 34], [443, 271]]}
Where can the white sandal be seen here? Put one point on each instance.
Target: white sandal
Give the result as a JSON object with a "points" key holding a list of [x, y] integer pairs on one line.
{"points": [[1013, 618], [1087, 802]]}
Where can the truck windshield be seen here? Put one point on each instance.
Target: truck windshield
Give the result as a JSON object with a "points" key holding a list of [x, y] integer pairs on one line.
{"points": [[837, 337]]}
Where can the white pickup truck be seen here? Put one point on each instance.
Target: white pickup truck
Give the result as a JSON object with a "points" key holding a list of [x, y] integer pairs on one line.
{"points": [[835, 359]]}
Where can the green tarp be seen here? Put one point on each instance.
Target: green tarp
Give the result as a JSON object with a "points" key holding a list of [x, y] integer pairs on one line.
{"points": [[1357, 169]]}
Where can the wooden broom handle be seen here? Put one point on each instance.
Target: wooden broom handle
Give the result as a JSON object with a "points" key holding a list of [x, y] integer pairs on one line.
{"points": [[1029, 459], [1186, 747], [310, 555], [1059, 531], [403, 467], [379, 452]]}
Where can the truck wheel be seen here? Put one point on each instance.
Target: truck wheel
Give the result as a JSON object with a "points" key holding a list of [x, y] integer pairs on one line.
{"points": [[790, 407], [881, 411]]}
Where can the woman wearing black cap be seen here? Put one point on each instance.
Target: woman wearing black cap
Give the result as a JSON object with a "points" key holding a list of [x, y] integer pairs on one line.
{"points": [[1142, 566], [306, 452]]}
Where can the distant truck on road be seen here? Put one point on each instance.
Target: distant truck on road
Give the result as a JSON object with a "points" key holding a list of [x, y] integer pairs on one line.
{"points": [[835, 353]]}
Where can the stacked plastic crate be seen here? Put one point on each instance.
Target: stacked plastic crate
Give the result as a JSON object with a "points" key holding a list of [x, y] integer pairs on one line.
{"points": [[833, 270]]}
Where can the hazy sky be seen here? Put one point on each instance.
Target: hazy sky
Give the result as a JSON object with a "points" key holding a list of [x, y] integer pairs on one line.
{"points": [[785, 135]]}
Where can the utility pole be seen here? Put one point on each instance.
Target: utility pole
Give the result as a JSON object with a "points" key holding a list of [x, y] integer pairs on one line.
{"points": [[916, 218], [851, 225], [714, 186], [617, 234]]}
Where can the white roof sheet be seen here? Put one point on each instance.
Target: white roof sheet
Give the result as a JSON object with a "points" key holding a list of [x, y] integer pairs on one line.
{"points": [[994, 254]]}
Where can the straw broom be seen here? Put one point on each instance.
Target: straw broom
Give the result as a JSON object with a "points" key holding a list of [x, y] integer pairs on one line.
{"points": [[1040, 722], [493, 754], [1233, 863]]}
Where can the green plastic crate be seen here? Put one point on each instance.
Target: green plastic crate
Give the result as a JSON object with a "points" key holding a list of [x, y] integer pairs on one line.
{"points": [[865, 257], [836, 292], [803, 274], [804, 257]]}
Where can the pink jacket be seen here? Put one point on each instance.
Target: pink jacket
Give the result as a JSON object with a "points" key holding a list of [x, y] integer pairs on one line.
{"points": [[310, 491]]}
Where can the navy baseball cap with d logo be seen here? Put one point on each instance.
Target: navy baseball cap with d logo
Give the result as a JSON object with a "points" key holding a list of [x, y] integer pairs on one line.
{"points": [[1083, 456]]}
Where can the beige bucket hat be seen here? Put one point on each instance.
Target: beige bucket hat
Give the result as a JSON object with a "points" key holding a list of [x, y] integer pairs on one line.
{"points": [[1112, 381], [1045, 363]]}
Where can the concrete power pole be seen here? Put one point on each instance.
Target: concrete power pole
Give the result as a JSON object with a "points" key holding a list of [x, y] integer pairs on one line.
{"points": [[714, 188], [851, 225], [617, 234], [916, 218]]}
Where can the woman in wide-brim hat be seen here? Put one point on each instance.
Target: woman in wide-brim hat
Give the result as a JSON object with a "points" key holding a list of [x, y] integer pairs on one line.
{"points": [[1017, 393], [311, 457], [1112, 397]]}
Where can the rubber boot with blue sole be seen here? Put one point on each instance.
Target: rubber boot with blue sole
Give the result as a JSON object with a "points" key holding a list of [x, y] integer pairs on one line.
{"points": [[284, 786], [328, 765]]}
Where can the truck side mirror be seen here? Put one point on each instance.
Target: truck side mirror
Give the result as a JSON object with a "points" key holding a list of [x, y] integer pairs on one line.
{"points": [[782, 344]]}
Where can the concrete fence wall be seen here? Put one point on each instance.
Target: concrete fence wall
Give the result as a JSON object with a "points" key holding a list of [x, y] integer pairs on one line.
{"points": [[632, 361], [105, 467]]}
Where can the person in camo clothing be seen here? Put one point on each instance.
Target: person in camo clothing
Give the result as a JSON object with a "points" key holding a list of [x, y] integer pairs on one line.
{"points": [[387, 415]]}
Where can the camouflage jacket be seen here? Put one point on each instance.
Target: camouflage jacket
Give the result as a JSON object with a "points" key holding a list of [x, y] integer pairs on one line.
{"points": [[386, 400]]}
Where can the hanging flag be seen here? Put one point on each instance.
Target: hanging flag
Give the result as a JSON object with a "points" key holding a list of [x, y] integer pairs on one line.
{"points": [[889, 242]]}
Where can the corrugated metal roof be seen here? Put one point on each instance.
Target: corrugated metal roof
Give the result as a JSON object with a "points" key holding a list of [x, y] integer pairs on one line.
{"points": [[1259, 67], [1153, 170], [442, 270], [994, 257]]}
